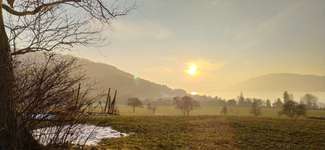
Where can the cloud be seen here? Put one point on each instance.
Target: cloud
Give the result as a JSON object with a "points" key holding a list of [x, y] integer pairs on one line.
{"points": [[139, 30]]}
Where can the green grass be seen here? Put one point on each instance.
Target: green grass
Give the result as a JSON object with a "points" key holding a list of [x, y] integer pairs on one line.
{"points": [[213, 132], [267, 133], [169, 133]]}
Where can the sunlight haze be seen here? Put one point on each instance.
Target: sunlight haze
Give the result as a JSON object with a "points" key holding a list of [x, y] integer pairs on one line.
{"points": [[162, 74], [233, 40]]}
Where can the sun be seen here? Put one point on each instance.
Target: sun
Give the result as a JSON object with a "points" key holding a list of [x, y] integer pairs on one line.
{"points": [[192, 70], [194, 93]]}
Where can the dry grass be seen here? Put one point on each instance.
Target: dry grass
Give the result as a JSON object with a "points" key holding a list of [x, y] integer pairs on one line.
{"points": [[213, 132]]}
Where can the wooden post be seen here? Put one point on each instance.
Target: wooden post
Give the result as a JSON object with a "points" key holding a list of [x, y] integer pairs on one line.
{"points": [[112, 109], [108, 101]]}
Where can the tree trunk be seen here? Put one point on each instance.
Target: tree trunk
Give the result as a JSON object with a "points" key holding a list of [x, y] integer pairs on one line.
{"points": [[8, 124], [133, 109]]}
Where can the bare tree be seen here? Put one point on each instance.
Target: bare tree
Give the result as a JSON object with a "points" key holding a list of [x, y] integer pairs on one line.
{"points": [[42, 25], [134, 102], [186, 104], [310, 101], [49, 91]]}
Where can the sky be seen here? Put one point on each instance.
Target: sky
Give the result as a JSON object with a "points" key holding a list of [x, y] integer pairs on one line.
{"points": [[228, 41]]}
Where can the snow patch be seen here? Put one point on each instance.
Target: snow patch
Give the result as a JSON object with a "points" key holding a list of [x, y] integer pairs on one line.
{"points": [[43, 116], [81, 134]]}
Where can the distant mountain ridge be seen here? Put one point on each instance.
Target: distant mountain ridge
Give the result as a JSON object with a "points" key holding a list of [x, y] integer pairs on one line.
{"points": [[282, 82], [104, 76], [107, 76]]}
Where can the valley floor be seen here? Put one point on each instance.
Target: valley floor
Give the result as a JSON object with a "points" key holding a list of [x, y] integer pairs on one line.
{"points": [[208, 110], [213, 132]]}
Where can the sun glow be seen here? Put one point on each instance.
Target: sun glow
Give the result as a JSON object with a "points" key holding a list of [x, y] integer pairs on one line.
{"points": [[192, 70], [194, 93]]}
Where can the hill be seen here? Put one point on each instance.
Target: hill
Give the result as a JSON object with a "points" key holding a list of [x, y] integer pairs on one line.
{"points": [[107, 76], [102, 76], [282, 82]]}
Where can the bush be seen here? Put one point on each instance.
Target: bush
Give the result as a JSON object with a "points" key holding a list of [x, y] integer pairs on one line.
{"points": [[293, 110]]}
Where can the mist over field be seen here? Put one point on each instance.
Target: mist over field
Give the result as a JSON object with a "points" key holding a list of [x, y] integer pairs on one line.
{"points": [[269, 86], [162, 74]]}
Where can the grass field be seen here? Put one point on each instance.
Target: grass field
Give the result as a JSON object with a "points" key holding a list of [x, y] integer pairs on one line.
{"points": [[213, 132], [207, 110], [206, 129]]}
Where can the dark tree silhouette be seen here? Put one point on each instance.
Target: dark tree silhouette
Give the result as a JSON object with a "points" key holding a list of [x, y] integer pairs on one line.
{"points": [[287, 97], [134, 102], [49, 91], [293, 110], [41, 25], [186, 104], [301, 110], [288, 108]]}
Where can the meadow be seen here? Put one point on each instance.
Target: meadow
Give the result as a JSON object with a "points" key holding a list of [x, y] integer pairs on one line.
{"points": [[213, 132], [207, 110], [206, 129]]}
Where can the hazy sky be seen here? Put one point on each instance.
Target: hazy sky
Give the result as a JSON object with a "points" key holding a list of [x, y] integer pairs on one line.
{"points": [[228, 40]]}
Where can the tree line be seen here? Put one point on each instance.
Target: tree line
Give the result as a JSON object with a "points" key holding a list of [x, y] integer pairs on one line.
{"points": [[287, 105], [310, 100], [185, 104]]}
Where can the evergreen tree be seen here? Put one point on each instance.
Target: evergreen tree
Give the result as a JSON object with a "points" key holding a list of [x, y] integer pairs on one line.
{"points": [[241, 99], [287, 97]]}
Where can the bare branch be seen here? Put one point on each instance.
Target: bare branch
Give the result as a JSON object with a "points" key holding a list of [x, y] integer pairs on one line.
{"points": [[43, 7], [41, 25]]}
